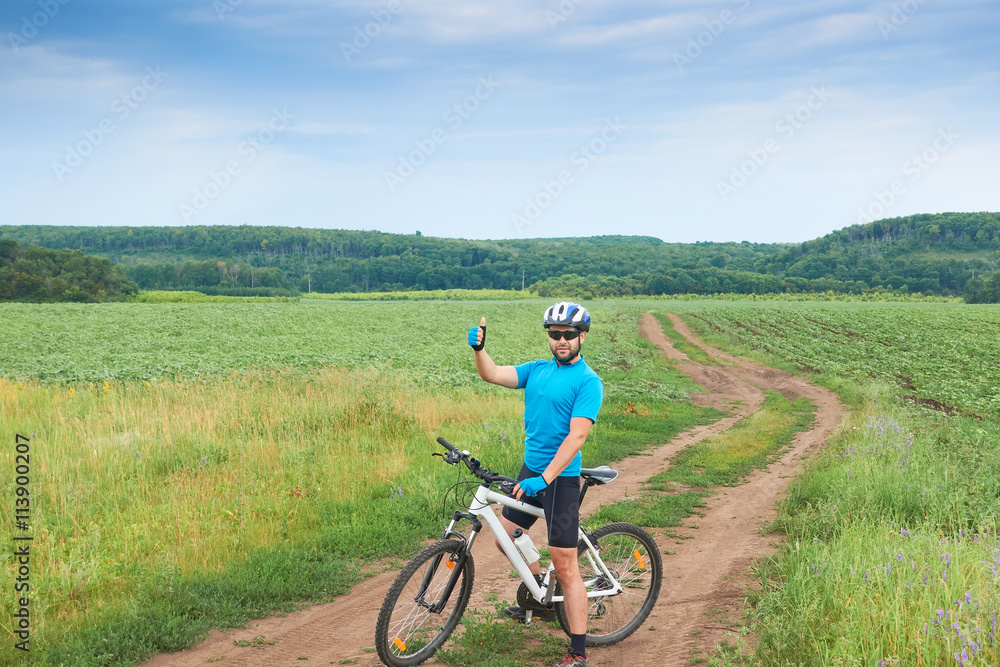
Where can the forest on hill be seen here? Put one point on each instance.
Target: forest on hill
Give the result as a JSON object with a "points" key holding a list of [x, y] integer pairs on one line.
{"points": [[43, 275], [928, 253]]}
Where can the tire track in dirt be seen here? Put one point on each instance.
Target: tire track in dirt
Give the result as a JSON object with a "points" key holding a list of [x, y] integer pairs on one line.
{"points": [[703, 585]]}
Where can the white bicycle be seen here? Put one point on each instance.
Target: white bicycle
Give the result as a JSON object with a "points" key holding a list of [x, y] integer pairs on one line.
{"points": [[620, 563]]}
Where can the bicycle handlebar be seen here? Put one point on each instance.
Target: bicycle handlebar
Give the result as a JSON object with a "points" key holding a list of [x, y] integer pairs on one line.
{"points": [[474, 466], [447, 445]]}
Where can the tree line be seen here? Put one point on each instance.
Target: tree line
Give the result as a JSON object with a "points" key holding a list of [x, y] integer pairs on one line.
{"points": [[43, 275], [931, 253]]}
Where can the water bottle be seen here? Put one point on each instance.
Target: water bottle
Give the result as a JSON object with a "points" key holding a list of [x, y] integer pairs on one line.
{"points": [[526, 546]]}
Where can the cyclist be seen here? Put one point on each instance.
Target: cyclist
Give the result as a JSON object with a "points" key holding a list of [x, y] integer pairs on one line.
{"points": [[561, 400]]}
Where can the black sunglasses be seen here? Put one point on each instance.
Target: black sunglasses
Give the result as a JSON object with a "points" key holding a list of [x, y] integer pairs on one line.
{"points": [[568, 335]]}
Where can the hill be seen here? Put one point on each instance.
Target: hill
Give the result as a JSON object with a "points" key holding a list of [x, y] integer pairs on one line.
{"points": [[932, 253]]}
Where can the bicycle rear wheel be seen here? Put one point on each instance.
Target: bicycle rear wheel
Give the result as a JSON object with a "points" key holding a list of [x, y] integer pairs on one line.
{"points": [[410, 626], [632, 557]]}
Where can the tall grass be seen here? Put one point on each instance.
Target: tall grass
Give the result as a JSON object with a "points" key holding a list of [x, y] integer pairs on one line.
{"points": [[136, 479], [893, 553]]}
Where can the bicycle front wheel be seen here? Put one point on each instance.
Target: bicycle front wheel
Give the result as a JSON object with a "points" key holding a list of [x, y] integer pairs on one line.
{"points": [[417, 617], [632, 557]]}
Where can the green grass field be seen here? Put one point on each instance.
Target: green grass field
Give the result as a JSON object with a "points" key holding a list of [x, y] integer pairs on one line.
{"points": [[194, 465]]}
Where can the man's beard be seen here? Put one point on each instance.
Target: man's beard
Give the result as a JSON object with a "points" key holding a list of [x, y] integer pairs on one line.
{"points": [[568, 355]]}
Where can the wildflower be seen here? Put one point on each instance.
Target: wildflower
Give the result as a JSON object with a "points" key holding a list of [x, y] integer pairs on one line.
{"points": [[905, 532]]}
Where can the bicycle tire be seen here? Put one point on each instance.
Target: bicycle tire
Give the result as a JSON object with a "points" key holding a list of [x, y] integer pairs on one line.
{"points": [[631, 554], [406, 632]]}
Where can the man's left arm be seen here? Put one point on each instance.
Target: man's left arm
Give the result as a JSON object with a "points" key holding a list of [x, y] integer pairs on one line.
{"points": [[579, 428]]}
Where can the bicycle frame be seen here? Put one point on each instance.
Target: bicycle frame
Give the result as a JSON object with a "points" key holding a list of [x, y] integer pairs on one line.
{"points": [[480, 508]]}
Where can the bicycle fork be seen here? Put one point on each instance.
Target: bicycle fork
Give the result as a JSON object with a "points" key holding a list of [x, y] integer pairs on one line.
{"points": [[455, 565]]}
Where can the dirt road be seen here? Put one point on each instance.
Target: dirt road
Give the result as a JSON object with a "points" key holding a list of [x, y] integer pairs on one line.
{"points": [[703, 584]]}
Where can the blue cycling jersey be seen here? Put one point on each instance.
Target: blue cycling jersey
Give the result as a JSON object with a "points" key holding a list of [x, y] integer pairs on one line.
{"points": [[554, 394]]}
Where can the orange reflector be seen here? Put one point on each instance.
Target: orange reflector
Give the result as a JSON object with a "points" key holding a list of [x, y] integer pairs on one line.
{"points": [[399, 644], [450, 564], [638, 558]]}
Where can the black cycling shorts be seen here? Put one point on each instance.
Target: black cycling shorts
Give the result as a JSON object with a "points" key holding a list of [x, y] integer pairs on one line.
{"points": [[560, 501]]}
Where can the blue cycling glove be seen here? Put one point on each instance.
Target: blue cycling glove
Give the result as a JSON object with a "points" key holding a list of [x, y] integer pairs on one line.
{"points": [[533, 485], [473, 337]]}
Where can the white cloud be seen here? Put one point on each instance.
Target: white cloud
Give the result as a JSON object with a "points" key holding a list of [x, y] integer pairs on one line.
{"points": [[44, 73]]}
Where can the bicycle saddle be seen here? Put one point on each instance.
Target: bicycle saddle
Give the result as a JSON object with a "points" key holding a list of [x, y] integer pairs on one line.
{"points": [[599, 475]]}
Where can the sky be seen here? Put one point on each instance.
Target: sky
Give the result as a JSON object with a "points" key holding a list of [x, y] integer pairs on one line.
{"points": [[728, 120]]}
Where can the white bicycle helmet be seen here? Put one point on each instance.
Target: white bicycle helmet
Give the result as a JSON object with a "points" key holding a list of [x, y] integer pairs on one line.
{"points": [[569, 314]]}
